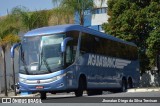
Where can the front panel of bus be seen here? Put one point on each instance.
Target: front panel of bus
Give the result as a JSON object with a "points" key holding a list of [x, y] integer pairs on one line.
{"points": [[42, 66]]}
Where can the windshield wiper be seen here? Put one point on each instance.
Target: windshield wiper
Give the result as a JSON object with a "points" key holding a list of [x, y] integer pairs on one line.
{"points": [[45, 63], [24, 64]]}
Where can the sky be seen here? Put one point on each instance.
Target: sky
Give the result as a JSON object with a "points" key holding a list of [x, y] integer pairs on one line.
{"points": [[32, 5]]}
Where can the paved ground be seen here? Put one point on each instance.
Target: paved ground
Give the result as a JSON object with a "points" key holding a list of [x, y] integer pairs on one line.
{"points": [[69, 99], [151, 89], [12, 94]]}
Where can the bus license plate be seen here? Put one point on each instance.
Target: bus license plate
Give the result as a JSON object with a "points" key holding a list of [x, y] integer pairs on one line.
{"points": [[39, 87]]}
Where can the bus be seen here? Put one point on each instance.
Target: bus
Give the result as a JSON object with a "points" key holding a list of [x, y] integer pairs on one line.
{"points": [[73, 58]]}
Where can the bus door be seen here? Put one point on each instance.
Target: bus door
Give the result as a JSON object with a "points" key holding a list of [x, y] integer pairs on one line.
{"points": [[71, 59]]}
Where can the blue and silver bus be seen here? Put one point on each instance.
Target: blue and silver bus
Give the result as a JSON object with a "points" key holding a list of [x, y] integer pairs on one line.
{"points": [[73, 58]]}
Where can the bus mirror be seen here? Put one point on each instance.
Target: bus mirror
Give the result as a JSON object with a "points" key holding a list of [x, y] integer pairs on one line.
{"points": [[64, 43], [12, 49]]}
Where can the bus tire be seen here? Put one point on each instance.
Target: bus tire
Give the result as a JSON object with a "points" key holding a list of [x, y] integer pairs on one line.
{"points": [[130, 83], [43, 95], [123, 85], [81, 86]]}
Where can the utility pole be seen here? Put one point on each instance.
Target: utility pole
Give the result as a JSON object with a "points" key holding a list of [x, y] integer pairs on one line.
{"points": [[158, 62]]}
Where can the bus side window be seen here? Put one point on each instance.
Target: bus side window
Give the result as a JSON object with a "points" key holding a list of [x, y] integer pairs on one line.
{"points": [[87, 44]]}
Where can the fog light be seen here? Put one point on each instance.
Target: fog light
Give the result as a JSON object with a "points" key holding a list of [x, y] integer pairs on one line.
{"points": [[60, 85]]}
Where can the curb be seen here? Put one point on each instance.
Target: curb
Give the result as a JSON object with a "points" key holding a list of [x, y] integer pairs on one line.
{"points": [[144, 90], [30, 95]]}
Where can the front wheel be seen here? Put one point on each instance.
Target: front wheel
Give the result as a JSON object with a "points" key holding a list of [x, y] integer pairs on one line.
{"points": [[79, 91], [43, 95]]}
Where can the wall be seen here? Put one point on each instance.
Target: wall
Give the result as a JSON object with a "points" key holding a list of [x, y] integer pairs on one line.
{"points": [[150, 79], [8, 69]]}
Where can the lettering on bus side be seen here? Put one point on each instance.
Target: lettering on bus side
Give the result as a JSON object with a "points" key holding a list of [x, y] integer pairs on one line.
{"points": [[102, 61]]}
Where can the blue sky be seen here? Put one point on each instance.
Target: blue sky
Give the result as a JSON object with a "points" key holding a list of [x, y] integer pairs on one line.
{"points": [[32, 5]]}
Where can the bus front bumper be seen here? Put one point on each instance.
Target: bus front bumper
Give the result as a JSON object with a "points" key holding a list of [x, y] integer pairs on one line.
{"points": [[41, 85]]}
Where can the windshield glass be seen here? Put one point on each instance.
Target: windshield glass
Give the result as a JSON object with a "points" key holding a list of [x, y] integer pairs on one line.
{"points": [[51, 57], [41, 55]]}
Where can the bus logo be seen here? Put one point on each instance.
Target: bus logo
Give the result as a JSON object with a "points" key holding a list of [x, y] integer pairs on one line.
{"points": [[38, 81], [109, 62]]}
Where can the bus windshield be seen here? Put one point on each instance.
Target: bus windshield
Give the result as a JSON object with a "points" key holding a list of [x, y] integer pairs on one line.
{"points": [[41, 55]]}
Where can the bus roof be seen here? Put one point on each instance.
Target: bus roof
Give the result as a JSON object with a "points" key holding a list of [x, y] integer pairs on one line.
{"points": [[72, 27]]}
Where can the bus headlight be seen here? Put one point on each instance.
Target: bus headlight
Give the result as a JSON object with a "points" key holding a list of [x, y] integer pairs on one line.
{"points": [[22, 79], [58, 77], [52, 79]]}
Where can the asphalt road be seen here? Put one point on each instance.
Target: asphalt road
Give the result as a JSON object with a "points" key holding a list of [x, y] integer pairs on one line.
{"points": [[108, 98]]}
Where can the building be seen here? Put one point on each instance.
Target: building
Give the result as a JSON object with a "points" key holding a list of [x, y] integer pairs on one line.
{"points": [[97, 17]]}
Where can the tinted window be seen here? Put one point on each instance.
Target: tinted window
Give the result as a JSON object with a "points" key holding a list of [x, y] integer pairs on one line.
{"points": [[102, 46]]}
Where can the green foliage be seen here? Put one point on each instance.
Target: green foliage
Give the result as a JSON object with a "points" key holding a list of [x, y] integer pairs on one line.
{"points": [[31, 20], [8, 24], [78, 6], [74, 6], [9, 40], [9, 28], [136, 21], [153, 42], [59, 12]]}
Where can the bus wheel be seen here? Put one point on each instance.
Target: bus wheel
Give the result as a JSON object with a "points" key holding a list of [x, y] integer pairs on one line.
{"points": [[124, 86], [43, 95], [79, 91], [130, 83]]}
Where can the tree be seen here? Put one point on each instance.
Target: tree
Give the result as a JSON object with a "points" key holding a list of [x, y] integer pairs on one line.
{"points": [[77, 6], [31, 20], [153, 50], [153, 41], [8, 27], [59, 12], [134, 20]]}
